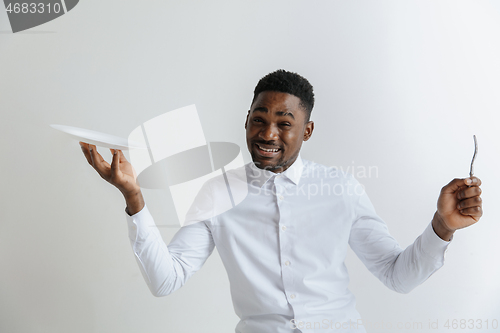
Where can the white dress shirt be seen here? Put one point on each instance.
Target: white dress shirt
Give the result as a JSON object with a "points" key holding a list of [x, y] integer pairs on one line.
{"points": [[284, 247]]}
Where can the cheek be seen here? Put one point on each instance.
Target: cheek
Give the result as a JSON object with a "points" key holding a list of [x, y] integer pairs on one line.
{"points": [[252, 130], [290, 137]]}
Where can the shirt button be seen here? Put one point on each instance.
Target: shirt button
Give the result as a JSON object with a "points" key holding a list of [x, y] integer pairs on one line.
{"points": [[280, 197], [283, 228], [292, 296], [287, 263]]}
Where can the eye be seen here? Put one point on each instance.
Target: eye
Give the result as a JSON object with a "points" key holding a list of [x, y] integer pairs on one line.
{"points": [[286, 124], [255, 120]]}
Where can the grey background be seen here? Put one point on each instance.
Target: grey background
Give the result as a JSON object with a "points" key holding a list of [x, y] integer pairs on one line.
{"points": [[400, 85]]}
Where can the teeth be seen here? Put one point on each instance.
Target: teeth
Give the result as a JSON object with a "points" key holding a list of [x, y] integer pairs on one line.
{"points": [[268, 150]]}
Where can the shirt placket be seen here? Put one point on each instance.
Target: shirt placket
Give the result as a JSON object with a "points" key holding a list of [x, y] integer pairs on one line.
{"points": [[285, 232]]}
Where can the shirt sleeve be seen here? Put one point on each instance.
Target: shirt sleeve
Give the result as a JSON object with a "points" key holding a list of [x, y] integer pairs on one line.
{"points": [[167, 268], [400, 270]]}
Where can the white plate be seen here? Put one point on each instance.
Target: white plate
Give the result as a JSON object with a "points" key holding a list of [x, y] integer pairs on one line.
{"points": [[99, 139]]}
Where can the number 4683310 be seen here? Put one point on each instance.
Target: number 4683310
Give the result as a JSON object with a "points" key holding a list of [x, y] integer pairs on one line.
{"points": [[471, 324], [33, 8]]}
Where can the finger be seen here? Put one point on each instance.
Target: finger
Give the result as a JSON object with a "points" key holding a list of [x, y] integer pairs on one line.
{"points": [[457, 183], [473, 181], [468, 203], [101, 166], [473, 211], [122, 156], [92, 158], [85, 151], [468, 192], [115, 164], [124, 160], [454, 185]]}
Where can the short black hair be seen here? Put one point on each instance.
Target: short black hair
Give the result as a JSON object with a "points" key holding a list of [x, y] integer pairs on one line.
{"points": [[290, 83]]}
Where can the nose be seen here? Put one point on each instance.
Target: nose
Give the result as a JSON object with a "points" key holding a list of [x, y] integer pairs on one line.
{"points": [[269, 133]]}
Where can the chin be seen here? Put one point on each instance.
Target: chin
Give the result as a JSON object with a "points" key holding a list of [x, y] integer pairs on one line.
{"points": [[268, 166]]}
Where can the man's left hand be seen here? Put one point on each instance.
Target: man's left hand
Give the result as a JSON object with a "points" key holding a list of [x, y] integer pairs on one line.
{"points": [[459, 206]]}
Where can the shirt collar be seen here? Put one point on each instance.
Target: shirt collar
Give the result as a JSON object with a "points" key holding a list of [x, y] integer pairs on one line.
{"points": [[260, 176]]}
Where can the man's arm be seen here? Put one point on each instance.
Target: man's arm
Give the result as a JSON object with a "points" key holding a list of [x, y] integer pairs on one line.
{"points": [[167, 268], [164, 268], [402, 270], [135, 203]]}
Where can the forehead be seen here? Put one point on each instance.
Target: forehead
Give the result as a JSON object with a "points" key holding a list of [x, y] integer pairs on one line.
{"points": [[274, 101]]}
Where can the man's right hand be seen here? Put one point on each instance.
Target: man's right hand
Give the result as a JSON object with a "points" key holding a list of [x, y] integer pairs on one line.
{"points": [[120, 173]]}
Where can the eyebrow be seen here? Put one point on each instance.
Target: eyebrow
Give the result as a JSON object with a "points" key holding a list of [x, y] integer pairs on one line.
{"points": [[279, 113]]}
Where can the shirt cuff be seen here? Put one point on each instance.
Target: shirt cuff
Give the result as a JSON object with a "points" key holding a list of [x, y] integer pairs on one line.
{"points": [[141, 225], [432, 244]]}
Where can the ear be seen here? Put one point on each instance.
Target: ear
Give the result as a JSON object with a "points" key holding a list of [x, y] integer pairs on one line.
{"points": [[246, 121], [308, 130]]}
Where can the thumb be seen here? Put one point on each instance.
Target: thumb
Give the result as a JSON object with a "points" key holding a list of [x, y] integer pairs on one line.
{"points": [[115, 164], [455, 184], [123, 159], [121, 156]]}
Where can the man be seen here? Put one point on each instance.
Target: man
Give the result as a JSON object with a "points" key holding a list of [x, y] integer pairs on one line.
{"points": [[284, 245]]}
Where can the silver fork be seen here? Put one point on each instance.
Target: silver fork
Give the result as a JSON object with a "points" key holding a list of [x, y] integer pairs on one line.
{"points": [[471, 173]]}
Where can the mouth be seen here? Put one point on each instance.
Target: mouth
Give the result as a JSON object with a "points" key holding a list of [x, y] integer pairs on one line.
{"points": [[267, 151]]}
